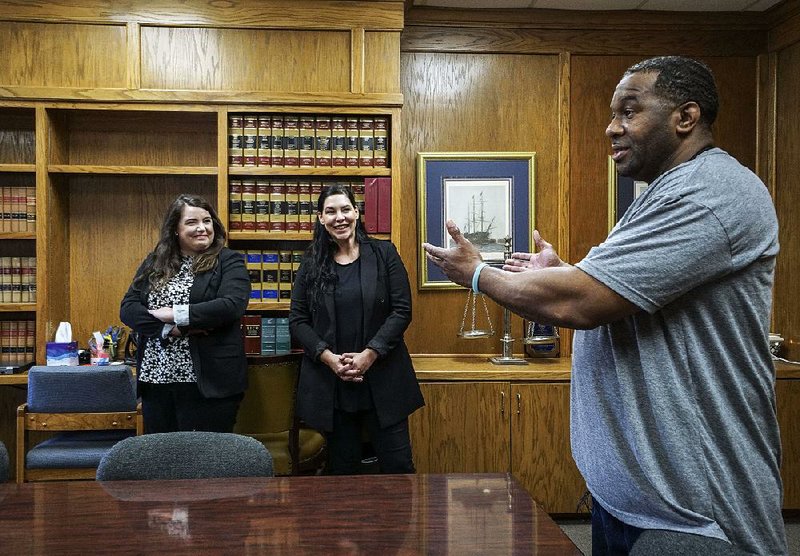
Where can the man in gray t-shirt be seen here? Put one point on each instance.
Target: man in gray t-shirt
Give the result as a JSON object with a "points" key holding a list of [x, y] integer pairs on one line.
{"points": [[674, 424]]}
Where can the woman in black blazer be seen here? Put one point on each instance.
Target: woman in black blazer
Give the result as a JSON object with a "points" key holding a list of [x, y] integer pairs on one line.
{"points": [[185, 304], [351, 304]]}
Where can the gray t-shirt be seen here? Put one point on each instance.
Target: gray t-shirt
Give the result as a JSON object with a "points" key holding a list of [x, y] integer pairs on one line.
{"points": [[673, 409]]}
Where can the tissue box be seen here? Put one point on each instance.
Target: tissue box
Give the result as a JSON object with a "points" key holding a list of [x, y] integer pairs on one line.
{"points": [[62, 353]]}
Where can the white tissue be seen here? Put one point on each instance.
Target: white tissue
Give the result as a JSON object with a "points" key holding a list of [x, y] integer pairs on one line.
{"points": [[64, 332]]}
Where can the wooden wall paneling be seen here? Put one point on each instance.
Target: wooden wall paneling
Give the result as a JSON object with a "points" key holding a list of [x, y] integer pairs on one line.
{"points": [[767, 120], [382, 62], [576, 40], [63, 55], [466, 102], [564, 194], [245, 59], [787, 393], [787, 200], [357, 60], [786, 32], [17, 136], [134, 60], [287, 14], [114, 221]]}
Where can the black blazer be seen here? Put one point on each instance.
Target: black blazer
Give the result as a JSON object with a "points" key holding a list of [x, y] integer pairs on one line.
{"points": [[386, 299], [217, 301]]}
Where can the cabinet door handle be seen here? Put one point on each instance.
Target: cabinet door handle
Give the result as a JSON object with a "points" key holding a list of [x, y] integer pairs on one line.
{"points": [[519, 398], [502, 403]]}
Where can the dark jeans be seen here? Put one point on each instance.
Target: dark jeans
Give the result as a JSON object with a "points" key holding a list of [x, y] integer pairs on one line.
{"points": [[610, 536], [180, 407], [392, 444]]}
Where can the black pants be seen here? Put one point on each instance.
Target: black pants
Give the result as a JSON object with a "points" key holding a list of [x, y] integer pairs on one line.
{"points": [[392, 444], [610, 536], [180, 407]]}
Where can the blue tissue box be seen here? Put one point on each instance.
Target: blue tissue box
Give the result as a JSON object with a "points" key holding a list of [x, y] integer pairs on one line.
{"points": [[62, 354]]}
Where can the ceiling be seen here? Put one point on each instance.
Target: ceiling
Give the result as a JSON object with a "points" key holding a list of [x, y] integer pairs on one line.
{"points": [[602, 5]]}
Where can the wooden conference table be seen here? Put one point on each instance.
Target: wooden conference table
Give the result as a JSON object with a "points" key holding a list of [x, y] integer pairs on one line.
{"points": [[368, 514]]}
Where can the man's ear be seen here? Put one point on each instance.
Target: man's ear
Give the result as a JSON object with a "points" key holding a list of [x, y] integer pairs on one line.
{"points": [[689, 116]]}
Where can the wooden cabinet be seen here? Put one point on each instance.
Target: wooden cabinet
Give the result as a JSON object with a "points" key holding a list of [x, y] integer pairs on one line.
{"points": [[474, 421], [787, 392]]}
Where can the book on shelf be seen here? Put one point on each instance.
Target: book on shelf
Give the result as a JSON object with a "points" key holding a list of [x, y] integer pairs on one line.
{"points": [[251, 333], [250, 141], [235, 140], [262, 205], [283, 339], [307, 141], [358, 193], [338, 142], [381, 145], [292, 206], [30, 209], [263, 139], [297, 258], [17, 338], [269, 276], [351, 142], [384, 205], [277, 205], [253, 264], [276, 144], [305, 211], [366, 142], [249, 205], [235, 205], [16, 279], [323, 145], [370, 216], [291, 141], [6, 209], [284, 275], [268, 336]]}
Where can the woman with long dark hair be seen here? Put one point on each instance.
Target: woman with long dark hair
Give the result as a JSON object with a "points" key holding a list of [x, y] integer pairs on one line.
{"points": [[351, 304], [185, 304]]}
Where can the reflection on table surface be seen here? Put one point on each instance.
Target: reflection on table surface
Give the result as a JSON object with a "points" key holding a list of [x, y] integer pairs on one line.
{"points": [[368, 514]]}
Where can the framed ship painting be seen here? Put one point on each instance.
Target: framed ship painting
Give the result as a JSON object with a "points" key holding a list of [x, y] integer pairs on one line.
{"points": [[490, 196]]}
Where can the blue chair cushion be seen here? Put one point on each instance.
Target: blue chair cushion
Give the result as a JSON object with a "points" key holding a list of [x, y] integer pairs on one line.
{"points": [[74, 449], [91, 389]]}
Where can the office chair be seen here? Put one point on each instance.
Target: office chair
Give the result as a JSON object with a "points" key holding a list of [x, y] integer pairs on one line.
{"points": [[89, 408], [185, 455], [4, 464], [674, 543], [267, 414]]}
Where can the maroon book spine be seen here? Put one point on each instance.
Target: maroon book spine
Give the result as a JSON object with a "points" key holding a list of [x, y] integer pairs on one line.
{"points": [[251, 330], [371, 205], [384, 205]]}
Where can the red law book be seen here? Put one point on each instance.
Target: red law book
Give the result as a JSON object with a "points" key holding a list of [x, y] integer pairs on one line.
{"points": [[371, 205], [384, 205], [251, 332]]}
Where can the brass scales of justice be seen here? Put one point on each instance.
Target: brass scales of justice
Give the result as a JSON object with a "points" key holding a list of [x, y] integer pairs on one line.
{"points": [[474, 332]]}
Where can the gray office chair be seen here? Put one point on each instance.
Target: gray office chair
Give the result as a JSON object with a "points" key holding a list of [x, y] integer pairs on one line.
{"points": [[4, 465], [185, 455], [673, 543]]}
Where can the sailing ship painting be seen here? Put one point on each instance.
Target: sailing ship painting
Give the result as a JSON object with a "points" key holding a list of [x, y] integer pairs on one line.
{"points": [[481, 209]]}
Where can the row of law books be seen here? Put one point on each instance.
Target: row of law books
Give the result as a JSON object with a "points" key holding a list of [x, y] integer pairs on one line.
{"points": [[266, 335], [278, 205], [307, 140], [17, 341], [17, 209], [272, 273], [17, 279]]}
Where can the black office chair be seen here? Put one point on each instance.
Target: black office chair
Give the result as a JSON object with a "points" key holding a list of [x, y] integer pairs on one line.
{"points": [[674, 543], [185, 455], [4, 464]]}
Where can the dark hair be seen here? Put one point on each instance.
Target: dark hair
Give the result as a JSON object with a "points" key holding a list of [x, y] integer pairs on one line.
{"points": [[165, 260], [683, 80], [320, 273]]}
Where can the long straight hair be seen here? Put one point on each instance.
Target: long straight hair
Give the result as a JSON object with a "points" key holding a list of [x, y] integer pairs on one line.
{"points": [[318, 258], [165, 260]]}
